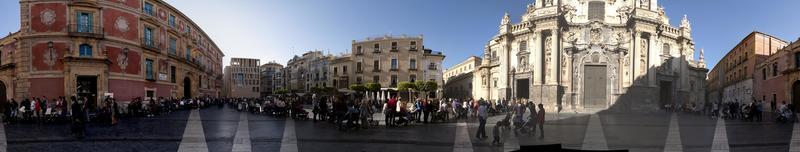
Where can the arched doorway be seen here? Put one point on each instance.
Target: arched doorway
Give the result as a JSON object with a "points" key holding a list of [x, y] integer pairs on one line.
{"points": [[795, 94], [187, 87]]}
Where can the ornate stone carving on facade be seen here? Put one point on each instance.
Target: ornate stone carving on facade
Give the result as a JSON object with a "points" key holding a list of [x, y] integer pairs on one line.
{"points": [[568, 12], [643, 55], [570, 40], [685, 23], [564, 65], [644, 4], [48, 17], [666, 66], [547, 55], [595, 36], [624, 13], [50, 57], [506, 19], [121, 24], [122, 60]]}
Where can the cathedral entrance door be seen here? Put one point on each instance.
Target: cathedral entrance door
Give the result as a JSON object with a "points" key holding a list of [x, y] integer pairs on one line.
{"points": [[665, 95], [522, 88], [594, 89]]}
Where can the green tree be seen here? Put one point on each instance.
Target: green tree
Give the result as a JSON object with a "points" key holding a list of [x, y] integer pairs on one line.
{"points": [[281, 91], [425, 87], [358, 88], [408, 87]]}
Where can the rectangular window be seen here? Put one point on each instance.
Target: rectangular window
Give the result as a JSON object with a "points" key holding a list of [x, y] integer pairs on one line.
{"points": [[172, 74], [84, 22], [148, 64], [377, 47], [358, 67], [412, 78], [394, 45], [376, 65], [344, 70], [413, 45], [85, 50], [187, 29], [797, 60], [173, 46], [774, 69], [358, 80], [376, 79], [412, 64], [597, 10], [148, 8], [764, 74], [394, 64], [148, 37], [358, 50], [335, 71], [188, 53], [171, 20]]}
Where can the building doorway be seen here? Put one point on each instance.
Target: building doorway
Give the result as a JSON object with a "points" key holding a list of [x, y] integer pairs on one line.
{"points": [[87, 87], [187, 88], [665, 93], [3, 95], [523, 86], [795, 95], [595, 81]]}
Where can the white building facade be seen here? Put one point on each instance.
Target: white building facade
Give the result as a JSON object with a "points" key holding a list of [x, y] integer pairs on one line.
{"points": [[593, 54]]}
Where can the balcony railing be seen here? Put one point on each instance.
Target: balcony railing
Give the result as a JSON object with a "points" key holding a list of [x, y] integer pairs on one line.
{"points": [[394, 49], [431, 67], [151, 44], [376, 51], [86, 31]]}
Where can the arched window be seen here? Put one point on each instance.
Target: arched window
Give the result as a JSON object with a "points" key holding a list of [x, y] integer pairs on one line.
{"points": [[85, 50], [523, 46]]}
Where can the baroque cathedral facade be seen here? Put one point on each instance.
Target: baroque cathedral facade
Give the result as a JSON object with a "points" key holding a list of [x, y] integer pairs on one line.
{"points": [[587, 55]]}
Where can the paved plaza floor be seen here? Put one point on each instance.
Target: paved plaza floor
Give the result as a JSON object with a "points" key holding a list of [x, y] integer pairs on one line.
{"points": [[225, 129]]}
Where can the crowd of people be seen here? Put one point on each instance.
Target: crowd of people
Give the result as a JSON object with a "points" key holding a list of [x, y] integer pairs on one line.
{"points": [[78, 111], [346, 111]]}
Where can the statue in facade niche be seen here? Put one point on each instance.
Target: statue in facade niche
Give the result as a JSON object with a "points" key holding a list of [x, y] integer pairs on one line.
{"points": [[624, 13], [644, 4], [569, 12], [548, 2], [571, 39]]}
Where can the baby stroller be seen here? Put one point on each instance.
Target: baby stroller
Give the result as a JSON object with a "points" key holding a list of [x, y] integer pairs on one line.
{"points": [[439, 116], [785, 116]]}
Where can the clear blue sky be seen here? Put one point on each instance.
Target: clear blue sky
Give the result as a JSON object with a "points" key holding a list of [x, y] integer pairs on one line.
{"points": [[278, 29]]}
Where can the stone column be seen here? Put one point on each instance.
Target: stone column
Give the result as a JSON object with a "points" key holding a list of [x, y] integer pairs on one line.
{"points": [[554, 51], [536, 54]]}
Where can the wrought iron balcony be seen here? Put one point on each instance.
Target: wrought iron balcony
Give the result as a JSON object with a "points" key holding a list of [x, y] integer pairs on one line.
{"points": [[86, 31]]}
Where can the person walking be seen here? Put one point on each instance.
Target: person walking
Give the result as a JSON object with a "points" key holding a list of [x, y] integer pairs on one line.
{"points": [[481, 134], [426, 110], [391, 107], [540, 119]]}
